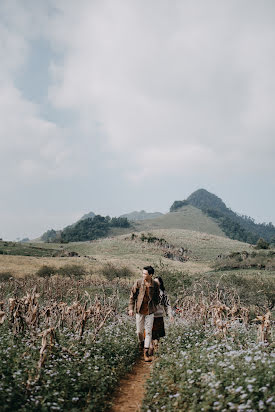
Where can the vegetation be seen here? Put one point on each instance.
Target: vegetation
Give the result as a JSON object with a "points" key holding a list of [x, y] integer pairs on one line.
{"points": [[110, 272], [142, 215], [50, 236], [72, 270], [5, 276], [65, 340], [239, 227], [245, 260], [25, 249], [57, 356], [92, 228], [262, 244], [197, 369], [219, 353]]}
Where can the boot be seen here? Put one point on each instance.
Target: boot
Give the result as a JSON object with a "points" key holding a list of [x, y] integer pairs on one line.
{"points": [[147, 357]]}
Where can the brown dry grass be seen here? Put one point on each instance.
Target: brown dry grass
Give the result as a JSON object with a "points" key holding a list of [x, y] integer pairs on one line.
{"points": [[121, 251]]}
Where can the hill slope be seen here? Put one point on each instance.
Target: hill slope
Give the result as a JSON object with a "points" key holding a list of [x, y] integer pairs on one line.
{"points": [[188, 218], [235, 226], [142, 215]]}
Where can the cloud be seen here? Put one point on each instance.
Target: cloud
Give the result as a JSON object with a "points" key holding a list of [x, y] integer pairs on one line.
{"points": [[172, 84], [32, 148], [139, 92]]}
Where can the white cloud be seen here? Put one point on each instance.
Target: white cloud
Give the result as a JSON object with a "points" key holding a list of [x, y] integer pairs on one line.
{"points": [[31, 148], [164, 77]]}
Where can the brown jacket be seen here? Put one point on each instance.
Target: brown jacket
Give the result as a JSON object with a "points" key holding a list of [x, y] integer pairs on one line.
{"points": [[137, 295]]}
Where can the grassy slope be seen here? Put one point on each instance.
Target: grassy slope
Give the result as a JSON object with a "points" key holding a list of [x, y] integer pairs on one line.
{"points": [[25, 249], [122, 251], [188, 217], [188, 228]]}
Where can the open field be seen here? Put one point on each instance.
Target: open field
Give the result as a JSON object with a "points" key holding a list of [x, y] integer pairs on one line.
{"points": [[66, 340], [202, 249], [65, 344]]}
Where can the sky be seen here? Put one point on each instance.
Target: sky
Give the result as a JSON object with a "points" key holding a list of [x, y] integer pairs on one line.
{"points": [[113, 106]]}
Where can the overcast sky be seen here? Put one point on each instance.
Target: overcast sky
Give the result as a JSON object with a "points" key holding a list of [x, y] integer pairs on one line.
{"points": [[121, 105]]}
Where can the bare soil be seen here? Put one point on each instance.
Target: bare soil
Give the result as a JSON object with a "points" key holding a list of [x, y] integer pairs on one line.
{"points": [[130, 393]]}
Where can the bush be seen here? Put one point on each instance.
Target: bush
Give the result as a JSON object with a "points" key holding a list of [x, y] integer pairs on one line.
{"points": [[175, 281], [76, 271], [46, 271], [262, 244], [5, 276], [110, 272]]}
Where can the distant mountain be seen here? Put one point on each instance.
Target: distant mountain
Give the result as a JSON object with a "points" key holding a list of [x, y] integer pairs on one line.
{"points": [[142, 215], [235, 226]]}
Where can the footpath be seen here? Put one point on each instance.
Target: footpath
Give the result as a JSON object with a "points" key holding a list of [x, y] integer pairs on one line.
{"points": [[130, 393]]}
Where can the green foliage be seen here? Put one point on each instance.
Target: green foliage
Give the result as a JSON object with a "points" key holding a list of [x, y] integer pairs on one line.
{"points": [[178, 204], [231, 228], [25, 249], [73, 271], [119, 222], [196, 371], [110, 272], [5, 276], [262, 244], [46, 271], [49, 236], [79, 378], [245, 260], [150, 238], [88, 229], [238, 227], [175, 281], [92, 228]]}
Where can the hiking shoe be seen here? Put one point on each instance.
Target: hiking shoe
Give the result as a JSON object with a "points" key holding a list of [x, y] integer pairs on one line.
{"points": [[147, 357]]}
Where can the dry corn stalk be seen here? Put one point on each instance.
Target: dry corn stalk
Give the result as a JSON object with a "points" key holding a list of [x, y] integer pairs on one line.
{"points": [[264, 329], [48, 337]]}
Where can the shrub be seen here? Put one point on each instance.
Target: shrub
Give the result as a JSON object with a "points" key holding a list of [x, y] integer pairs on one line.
{"points": [[46, 271], [262, 244], [76, 271], [174, 280], [111, 272], [5, 276]]}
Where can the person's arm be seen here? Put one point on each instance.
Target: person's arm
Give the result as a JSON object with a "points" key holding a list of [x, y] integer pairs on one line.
{"points": [[133, 298]]}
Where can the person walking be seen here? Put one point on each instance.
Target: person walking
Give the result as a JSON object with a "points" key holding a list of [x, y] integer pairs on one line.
{"points": [[144, 298], [164, 308]]}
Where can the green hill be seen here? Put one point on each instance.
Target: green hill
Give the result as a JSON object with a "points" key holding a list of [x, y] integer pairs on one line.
{"points": [[235, 226], [187, 217]]}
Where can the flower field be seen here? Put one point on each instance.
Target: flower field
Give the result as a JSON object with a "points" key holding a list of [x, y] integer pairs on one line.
{"points": [[62, 356], [66, 341], [198, 369]]}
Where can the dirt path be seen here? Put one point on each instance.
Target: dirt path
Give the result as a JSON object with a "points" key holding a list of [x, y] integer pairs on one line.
{"points": [[131, 390]]}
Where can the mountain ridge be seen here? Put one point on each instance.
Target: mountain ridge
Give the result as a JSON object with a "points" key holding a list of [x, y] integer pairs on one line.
{"points": [[202, 211], [235, 226]]}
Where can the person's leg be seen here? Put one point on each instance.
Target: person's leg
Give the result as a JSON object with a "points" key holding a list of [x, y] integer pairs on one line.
{"points": [[148, 324], [140, 328]]}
